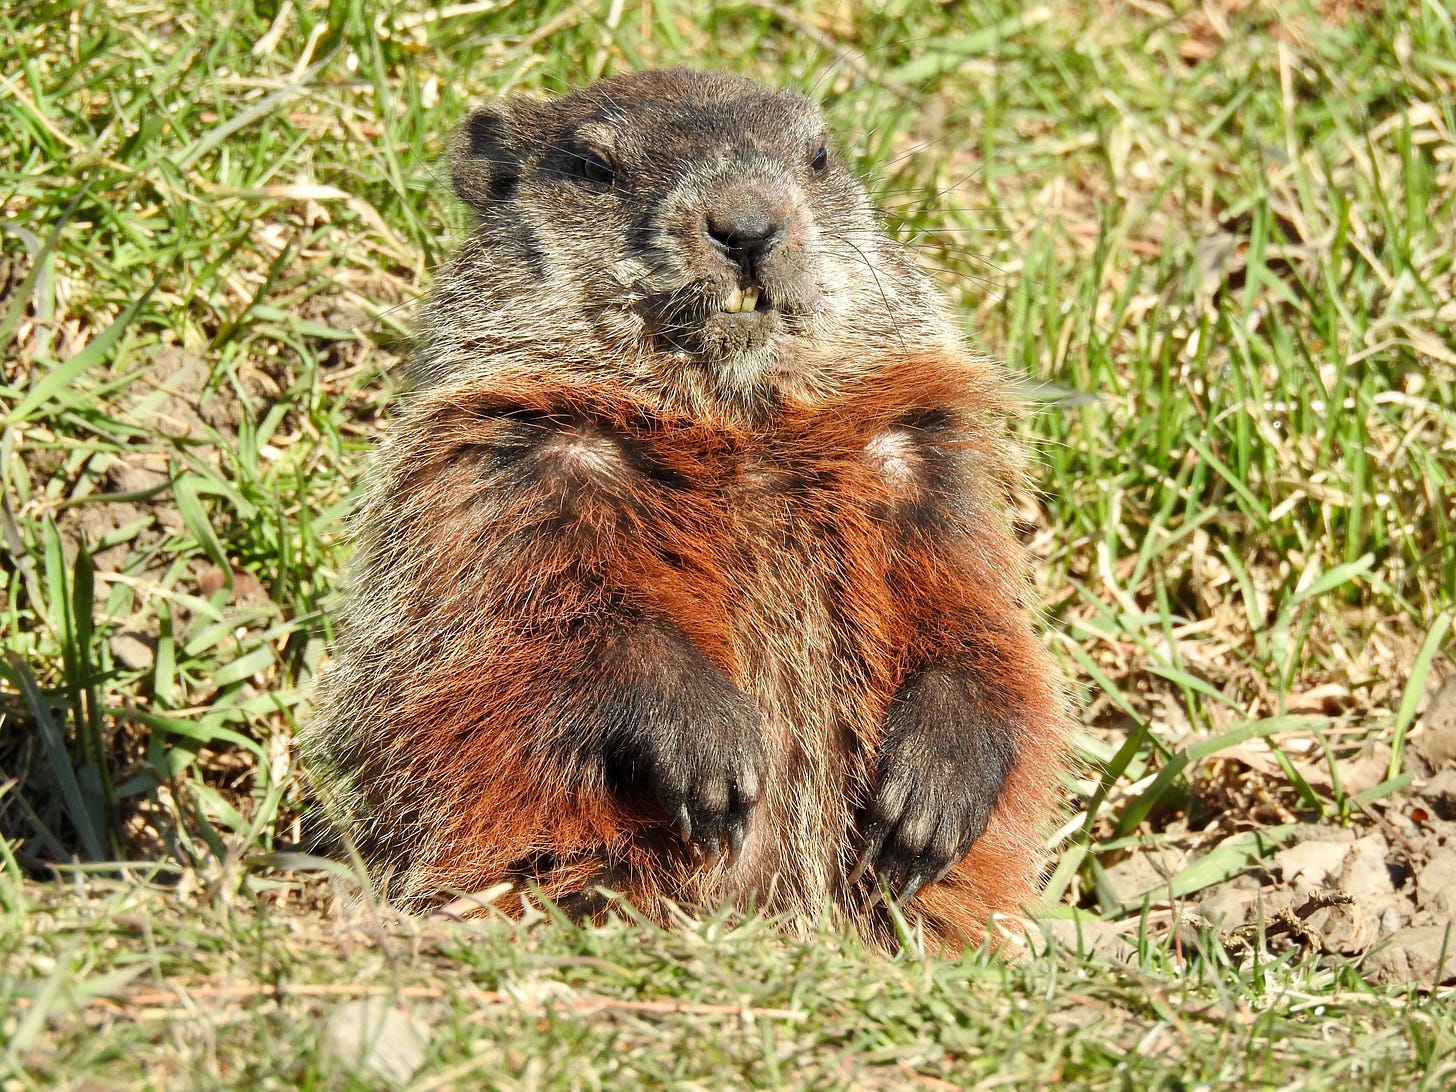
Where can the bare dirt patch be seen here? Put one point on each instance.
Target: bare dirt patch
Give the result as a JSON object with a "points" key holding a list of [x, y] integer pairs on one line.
{"points": [[1376, 887]]}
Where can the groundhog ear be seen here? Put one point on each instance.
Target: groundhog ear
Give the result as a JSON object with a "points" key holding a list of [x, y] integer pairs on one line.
{"points": [[486, 160]]}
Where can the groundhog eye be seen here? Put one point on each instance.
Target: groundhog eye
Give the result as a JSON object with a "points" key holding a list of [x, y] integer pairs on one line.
{"points": [[595, 168], [820, 162]]}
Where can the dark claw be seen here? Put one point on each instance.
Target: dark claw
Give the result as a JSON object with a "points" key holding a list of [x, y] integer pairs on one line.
{"points": [[735, 840], [909, 888], [874, 838]]}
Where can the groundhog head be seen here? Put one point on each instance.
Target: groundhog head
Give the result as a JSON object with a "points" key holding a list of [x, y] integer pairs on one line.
{"points": [[697, 215]]}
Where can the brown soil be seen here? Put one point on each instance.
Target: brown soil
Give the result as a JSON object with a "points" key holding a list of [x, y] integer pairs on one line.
{"points": [[1377, 887]]}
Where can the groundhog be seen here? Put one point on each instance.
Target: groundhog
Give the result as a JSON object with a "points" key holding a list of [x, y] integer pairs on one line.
{"points": [[685, 575]]}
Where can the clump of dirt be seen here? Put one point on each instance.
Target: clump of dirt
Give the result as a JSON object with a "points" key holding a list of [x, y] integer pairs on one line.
{"points": [[1384, 893], [1376, 888]]}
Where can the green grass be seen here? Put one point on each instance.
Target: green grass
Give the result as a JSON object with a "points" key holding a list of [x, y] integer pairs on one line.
{"points": [[150, 994], [1225, 249]]}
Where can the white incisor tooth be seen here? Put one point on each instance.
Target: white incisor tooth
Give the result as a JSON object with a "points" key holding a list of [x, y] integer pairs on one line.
{"points": [[734, 303], [750, 299]]}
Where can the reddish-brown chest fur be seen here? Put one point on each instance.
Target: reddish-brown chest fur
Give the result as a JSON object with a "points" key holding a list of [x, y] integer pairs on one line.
{"points": [[808, 554]]}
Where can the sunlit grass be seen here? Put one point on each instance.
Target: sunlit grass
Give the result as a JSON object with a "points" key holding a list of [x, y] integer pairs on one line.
{"points": [[1217, 253]]}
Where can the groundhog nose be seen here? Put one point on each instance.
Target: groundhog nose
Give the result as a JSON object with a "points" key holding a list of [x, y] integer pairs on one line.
{"points": [[746, 230]]}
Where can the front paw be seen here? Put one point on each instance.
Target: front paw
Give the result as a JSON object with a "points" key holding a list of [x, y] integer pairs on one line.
{"points": [[687, 740], [947, 751]]}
